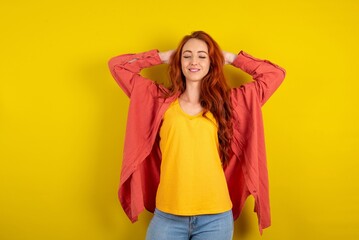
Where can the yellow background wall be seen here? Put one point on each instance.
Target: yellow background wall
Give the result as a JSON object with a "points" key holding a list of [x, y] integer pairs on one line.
{"points": [[63, 117]]}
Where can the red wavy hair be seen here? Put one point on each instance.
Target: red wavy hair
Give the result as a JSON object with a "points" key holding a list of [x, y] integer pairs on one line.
{"points": [[214, 93]]}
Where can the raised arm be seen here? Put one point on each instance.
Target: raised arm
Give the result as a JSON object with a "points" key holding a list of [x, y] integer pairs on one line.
{"points": [[126, 68], [267, 76]]}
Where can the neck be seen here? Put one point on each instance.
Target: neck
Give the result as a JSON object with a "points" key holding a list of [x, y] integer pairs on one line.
{"points": [[192, 92]]}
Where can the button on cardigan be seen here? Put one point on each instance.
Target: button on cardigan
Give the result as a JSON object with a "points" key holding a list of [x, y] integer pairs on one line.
{"points": [[246, 172]]}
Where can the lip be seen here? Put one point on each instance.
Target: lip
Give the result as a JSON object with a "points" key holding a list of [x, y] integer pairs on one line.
{"points": [[194, 70]]}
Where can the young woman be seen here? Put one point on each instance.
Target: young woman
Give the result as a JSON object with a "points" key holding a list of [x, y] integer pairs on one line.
{"points": [[194, 151]]}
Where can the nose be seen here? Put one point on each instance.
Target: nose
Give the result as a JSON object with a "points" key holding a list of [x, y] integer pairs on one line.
{"points": [[193, 61]]}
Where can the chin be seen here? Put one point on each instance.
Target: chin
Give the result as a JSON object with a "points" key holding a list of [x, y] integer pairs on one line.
{"points": [[194, 79]]}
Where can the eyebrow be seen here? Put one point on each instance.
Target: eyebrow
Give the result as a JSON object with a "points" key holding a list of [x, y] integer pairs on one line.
{"points": [[198, 51]]}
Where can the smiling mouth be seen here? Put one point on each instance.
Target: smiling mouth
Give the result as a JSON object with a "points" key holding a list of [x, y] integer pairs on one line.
{"points": [[193, 70]]}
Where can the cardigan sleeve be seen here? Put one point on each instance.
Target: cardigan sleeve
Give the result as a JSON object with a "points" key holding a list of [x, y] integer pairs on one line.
{"points": [[267, 76], [248, 138], [126, 68]]}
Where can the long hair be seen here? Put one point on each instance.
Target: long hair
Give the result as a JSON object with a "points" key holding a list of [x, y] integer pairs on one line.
{"points": [[214, 92]]}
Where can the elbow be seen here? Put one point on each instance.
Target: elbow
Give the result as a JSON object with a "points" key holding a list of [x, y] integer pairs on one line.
{"points": [[111, 64], [283, 73], [280, 74]]}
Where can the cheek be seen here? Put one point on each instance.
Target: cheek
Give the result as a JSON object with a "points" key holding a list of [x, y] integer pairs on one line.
{"points": [[184, 62], [182, 66], [207, 67]]}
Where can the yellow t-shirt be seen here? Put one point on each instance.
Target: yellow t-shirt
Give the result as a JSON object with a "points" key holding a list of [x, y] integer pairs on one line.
{"points": [[192, 180]]}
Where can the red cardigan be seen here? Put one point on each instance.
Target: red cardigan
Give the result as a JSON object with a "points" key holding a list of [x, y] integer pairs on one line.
{"points": [[246, 172]]}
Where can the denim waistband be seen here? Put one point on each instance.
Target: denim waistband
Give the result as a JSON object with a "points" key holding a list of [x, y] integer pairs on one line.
{"points": [[185, 218]]}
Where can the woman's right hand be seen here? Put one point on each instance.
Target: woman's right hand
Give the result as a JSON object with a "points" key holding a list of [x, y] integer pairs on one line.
{"points": [[165, 56]]}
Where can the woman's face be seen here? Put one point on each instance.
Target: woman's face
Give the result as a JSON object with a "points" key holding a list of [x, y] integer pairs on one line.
{"points": [[195, 60]]}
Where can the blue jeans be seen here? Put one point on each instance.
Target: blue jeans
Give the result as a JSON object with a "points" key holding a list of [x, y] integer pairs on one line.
{"points": [[165, 226]]}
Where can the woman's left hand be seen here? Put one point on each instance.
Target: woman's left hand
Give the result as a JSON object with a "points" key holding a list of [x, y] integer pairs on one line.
{"points": [[229, 57]]}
